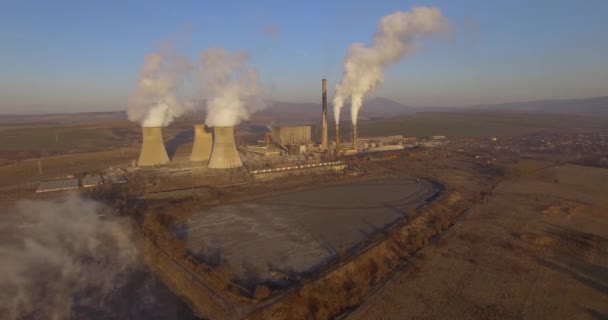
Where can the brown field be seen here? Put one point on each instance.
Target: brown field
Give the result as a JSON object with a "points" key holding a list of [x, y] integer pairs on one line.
{"points": [[506, 240], [537, 248], [475, 124], [216, 291]]}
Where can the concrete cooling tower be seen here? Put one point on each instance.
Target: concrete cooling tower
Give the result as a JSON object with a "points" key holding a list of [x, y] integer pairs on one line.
{"points": [[153, 152], [201, 148], [223, 153]]}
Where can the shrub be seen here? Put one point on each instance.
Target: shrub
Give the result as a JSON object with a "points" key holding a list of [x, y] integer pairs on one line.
{"points": [[261, 292]]}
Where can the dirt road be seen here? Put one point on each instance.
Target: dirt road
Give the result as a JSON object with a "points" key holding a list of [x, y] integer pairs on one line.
{"points": [[537, 248]]}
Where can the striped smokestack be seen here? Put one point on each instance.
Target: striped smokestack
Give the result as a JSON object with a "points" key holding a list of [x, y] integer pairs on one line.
{"points": [[337, 138], [324, 141], [355, 137]]}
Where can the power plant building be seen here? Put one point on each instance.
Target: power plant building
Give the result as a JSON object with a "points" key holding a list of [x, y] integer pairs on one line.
{"points": [[57, 185], [297, 135]]}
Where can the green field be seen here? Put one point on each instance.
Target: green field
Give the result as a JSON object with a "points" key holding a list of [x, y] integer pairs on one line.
{"points": [[471, 124], [56, 139], [21, 143]]}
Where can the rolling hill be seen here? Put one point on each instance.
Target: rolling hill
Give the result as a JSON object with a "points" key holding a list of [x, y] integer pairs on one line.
{"points": [[587, 106]]}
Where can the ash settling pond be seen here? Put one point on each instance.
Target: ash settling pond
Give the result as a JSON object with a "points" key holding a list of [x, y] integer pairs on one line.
{"points": [[294, 233]]}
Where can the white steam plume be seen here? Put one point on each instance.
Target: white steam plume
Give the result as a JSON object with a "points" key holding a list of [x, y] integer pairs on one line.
{"points": [[397, 36], [155, 101], [61, 255], [230, 86]]}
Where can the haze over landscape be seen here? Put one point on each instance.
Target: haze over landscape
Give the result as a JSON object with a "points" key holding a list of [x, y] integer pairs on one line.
{"points": [[71, 57], [270, 160]]}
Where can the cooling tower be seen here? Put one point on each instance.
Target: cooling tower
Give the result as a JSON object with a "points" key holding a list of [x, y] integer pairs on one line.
{"points": [[324, 141], [201, 148], [223, 153], [153, 151]]}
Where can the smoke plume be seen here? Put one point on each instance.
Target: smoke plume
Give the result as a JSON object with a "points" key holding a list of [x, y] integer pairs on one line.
{"points": [[230, 87], [155, 101], [397, 36], [71, 259]]}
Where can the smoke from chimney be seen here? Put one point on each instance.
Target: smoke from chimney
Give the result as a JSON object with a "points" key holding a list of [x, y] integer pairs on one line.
{"points": [[230, 86], [155, 102], [397, 36]]}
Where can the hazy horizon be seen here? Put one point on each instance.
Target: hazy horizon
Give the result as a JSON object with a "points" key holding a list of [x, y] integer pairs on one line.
{"points": [[66, 57]]}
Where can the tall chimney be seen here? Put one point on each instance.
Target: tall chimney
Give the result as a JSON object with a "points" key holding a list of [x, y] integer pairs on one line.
{"points": [[223, 153], [337, 139], [355, 137], [201, 148], [324, 141], [153, 152]]}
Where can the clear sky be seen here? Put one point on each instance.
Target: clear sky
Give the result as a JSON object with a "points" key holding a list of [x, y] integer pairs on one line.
{"points": [[69, 56]]}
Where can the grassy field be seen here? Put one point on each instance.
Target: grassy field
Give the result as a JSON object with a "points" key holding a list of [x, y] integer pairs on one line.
{"points": [[466, 124], [40, 141], [535, 248], [28, 171], [56, 139]]}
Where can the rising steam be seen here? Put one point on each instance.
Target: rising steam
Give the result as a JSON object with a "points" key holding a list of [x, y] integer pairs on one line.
{"points": [[155, 102], [230, 87], [60, 255], [397, 36]]}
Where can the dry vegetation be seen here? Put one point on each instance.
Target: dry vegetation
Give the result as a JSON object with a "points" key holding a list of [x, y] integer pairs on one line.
{"points": [[475, 124], [212, 290], [535, 248], [342, 284]]}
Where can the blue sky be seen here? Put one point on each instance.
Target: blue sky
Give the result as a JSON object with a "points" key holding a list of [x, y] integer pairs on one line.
{"points": [[69, 56]]}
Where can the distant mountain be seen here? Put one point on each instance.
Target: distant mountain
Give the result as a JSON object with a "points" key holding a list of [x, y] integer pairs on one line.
{"points": [[294, 113], [587, 106], [59, 119], [300, 113], [382, 107]]}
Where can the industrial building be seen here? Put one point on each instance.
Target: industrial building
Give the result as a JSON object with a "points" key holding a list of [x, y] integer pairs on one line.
{"points": [[57, 185], [292, 135], [283, 150], [216, 148]]}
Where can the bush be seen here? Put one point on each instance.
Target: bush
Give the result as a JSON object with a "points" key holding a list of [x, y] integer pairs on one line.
{"points": [[440, 222], [261, 292], [418, 239], [372, 269]]}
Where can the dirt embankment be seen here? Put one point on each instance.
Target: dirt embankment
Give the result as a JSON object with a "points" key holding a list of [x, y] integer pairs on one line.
{"points": [[213, 292], [537, 248], [347, 285]]}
